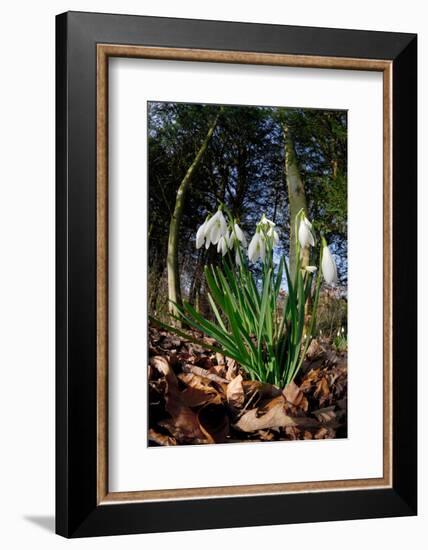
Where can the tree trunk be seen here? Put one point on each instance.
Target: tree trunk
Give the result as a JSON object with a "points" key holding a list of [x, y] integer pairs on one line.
{"points": [[296, 196], [241, 182], [156, 271], [174, 290], [197, 279]]}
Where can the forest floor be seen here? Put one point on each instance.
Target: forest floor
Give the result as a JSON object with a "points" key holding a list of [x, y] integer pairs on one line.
{"points": [[199, 397]]}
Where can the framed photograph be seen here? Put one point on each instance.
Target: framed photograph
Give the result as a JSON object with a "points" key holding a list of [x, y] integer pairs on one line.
{"points": [[236, 274]]}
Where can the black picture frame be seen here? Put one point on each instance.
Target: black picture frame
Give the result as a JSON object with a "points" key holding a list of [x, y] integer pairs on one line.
{"points": [[78, 513]]}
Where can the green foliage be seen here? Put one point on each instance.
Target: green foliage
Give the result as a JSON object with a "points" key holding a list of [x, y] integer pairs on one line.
{"points": [[249, 325], [332, 212], [341, 340], [332, 315]]}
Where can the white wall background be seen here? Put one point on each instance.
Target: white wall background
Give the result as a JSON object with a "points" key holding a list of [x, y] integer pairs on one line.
{"points": [[27, 270]]}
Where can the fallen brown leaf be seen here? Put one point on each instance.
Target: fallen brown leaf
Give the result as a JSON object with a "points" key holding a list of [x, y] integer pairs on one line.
{"points": [[314, 350], [194, 397], [220, 359], [161, 439], [235, 393], [270, 416], [183, 425], [325, 415], [232, 368], [160, 364], [323, 391], [293, 394], [200, 397], [321, 433], [184, 422], [204, 373]]}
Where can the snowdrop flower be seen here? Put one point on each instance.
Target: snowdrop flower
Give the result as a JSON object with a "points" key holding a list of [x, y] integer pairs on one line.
{"points": [[236, 237], [328, 266], [222, 245], [273, 234], [238, 257], [239, 234], [310, 268], [257, 248], [265, 221], [305, 235], [215, 228], [200, 234]]}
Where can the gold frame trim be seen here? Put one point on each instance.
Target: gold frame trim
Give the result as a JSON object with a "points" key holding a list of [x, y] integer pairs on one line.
{"points": [[104, 51]]}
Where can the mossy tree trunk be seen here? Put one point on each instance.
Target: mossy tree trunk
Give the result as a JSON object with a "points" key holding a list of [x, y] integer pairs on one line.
{"points": [[296, 195], [174, 290]]}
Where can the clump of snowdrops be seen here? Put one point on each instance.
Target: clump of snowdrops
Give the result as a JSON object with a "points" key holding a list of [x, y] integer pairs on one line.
{"points": [[340, 341], [265, 328]]}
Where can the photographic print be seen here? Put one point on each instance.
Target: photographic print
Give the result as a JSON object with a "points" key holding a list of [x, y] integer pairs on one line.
{"points": [[247, 277], [226, 255]]}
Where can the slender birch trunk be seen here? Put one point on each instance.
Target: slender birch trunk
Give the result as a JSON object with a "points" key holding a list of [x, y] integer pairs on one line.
{"points": [[174, 290]]}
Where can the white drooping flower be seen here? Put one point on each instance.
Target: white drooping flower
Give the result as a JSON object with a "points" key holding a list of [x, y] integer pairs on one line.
{"points": [[328, 266], [236, 236], [239, 234], [273, 234], [222, 245], [215, 228], [305, 235], [200, 234], [257, 247], [268, 230], [311, 268], [265, 221], [238, 257]]}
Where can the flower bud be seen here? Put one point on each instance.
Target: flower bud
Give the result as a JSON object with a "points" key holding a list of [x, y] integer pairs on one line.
{"points": [[257, 248], [328, 266], [305, 235]]}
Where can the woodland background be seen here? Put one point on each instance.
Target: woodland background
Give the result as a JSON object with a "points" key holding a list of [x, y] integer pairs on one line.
{"points": [[255, 160]]}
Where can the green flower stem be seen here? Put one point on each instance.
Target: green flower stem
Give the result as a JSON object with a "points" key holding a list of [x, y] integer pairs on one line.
{"points": [[310, 335]]}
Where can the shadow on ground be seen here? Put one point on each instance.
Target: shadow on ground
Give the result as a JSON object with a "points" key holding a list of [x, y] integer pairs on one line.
{"points": [[45, 522]]}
